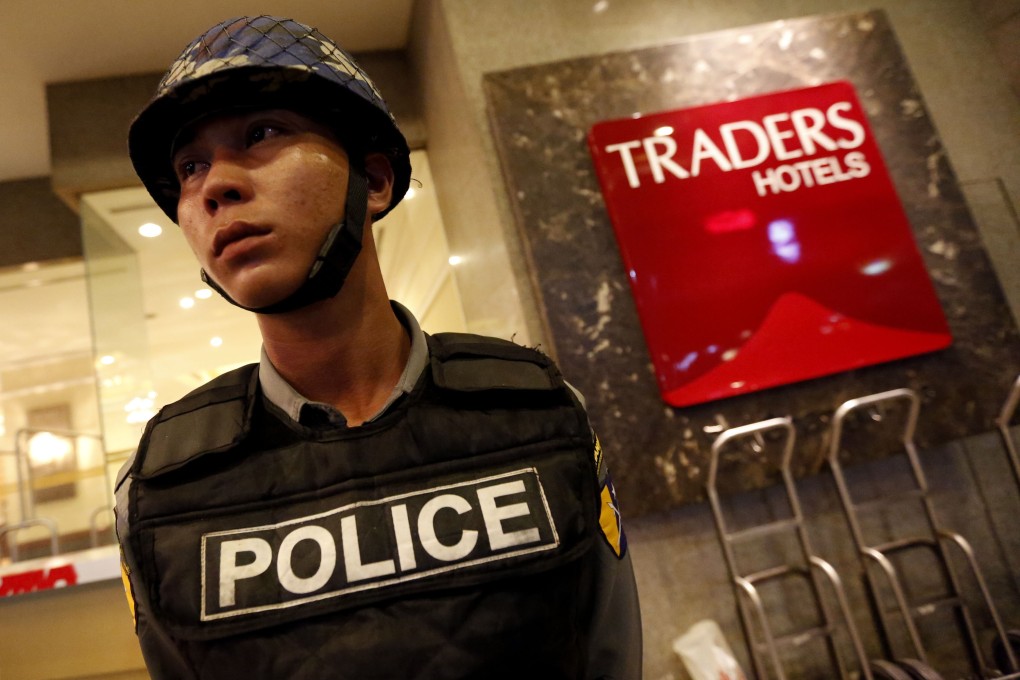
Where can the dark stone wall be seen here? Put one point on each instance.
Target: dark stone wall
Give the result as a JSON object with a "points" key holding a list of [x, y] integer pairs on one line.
{"points": [[541, 116]]}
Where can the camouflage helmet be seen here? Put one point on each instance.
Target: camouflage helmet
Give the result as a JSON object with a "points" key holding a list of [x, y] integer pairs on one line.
{"points": [[263, 62]]}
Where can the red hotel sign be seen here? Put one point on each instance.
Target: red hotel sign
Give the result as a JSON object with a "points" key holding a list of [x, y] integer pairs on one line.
{"points": [[764, 243]]}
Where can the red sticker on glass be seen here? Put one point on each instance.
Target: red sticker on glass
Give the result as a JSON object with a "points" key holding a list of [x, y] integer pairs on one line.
{"points": [[764, 242]]}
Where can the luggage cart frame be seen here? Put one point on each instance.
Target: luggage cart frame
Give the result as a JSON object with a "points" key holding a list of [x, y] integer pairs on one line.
{"points": [[815, 570], [1003, 420], [936, 543]]}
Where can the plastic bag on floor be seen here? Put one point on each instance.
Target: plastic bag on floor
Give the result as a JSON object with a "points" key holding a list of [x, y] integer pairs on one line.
{"points": [[705, 653]]}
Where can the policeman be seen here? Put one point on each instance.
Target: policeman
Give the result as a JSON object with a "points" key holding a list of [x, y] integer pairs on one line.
{"points": [[367, 501]]}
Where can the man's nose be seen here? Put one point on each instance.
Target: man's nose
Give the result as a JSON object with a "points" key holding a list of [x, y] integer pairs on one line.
{"points": [[227, 182]]}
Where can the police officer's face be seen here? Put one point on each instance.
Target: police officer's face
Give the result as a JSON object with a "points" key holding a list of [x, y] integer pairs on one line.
{"points": [[259, 192]]}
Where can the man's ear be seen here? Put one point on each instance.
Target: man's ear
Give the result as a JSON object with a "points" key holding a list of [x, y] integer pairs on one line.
{"points": [[379, 175]]}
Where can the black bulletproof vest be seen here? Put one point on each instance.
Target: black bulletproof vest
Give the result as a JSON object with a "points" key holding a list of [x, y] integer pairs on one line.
{"points": [[448, 539]]}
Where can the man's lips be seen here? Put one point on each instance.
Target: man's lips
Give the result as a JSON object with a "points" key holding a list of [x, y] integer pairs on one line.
{"points": [[233, 232]]}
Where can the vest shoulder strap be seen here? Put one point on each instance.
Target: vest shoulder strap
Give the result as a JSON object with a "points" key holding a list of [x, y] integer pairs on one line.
{"points": [[212, 418], [463, 362], [217, 416]]}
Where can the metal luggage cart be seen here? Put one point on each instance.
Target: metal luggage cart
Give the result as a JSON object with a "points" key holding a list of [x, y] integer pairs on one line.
{"points": [[1003, 421], [814, 570], [935, 544]]}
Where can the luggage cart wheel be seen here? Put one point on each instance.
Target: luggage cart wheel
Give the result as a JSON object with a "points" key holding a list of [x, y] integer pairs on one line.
{"points": [[884, 670], [999, 651], [918, 670]]}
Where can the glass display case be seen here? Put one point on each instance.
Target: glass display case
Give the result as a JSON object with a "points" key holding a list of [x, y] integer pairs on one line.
{"points": [[92, 349]]}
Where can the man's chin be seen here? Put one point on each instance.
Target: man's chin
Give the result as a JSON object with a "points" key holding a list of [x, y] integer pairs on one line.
{"points": [[263, 298], [253, 294]]}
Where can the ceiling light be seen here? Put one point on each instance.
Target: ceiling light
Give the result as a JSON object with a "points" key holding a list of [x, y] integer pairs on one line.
{"points": [[203, 293], [107, 359], [455, 260], [410, 194], [150, 230], [187, 302], [216, 341]]}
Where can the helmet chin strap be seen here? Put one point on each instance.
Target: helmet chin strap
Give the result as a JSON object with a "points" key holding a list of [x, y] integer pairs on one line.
{"points": [[335, 258]]}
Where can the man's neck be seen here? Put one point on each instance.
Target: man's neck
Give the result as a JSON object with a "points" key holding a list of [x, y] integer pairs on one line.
{"points": [[344, 354]]}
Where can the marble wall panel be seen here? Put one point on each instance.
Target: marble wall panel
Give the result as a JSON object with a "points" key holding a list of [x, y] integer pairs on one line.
{"points": [[540, 118]]}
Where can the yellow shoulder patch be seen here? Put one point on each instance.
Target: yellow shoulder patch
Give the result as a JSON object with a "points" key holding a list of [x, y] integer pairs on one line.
{"points": [[126, 579], [610, 521]]}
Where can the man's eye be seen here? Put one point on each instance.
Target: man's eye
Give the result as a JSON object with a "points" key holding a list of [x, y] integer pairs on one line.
{"points": [[261, 132], [187, 169]]}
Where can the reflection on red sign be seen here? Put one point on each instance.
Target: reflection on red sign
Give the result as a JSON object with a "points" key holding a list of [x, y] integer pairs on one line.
{"points": [[764, 243]]}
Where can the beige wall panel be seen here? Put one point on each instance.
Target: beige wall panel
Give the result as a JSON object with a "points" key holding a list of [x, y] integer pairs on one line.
{"points": [[79, 632]]}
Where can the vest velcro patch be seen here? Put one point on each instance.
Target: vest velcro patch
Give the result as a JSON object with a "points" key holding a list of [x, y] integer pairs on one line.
{"points": [[375, 544]]}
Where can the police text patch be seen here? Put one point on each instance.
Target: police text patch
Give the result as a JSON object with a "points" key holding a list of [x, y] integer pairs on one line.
{"points": [[375, 543]]}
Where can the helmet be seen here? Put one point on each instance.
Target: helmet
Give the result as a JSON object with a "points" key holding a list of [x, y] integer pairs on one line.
{"points": [[267, 62], [263, 62]]}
